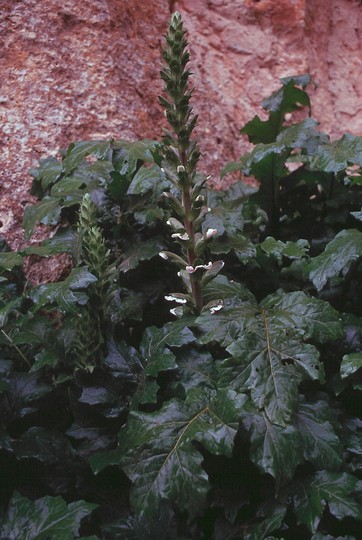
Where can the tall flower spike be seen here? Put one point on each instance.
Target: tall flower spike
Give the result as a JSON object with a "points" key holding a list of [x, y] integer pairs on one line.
{"points": [[93, 324], [182, 154]]}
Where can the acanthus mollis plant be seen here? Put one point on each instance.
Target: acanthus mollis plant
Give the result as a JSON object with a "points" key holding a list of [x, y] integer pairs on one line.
{"points": [[234, 430], [94, 322], [182, 153], [240, 423]]}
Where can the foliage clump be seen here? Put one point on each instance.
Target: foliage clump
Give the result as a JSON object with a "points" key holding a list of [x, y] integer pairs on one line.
{"points": [[236, 414]]}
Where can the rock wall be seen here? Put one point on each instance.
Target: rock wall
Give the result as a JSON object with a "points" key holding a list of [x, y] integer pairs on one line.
{"points": [[75, 70], [240, 49]]}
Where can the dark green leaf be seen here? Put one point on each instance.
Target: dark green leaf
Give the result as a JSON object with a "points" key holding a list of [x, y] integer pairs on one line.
{"points": [[79, 150], [8, 308], [46, 358], [269, 359], [159, 457], [142, 252], [97, 395], [47, 212], [351, 363], [49, 517], [308, 316], [322, 447], [147, 393], [232, 166], [336, 258], [44, 445], [225, 326], [287, 99], [118, 185], [222, 288], [145, 179], [332, 488], [303, 135], [129, 154], [289, 95], [70, 190], [25, 388], [196, 369], [60, 243], [321, 536], [268, 525], [336, 156], [62, 293], [156, 342], [123, 361], [101, 460], [47, 173], [270, 366], [279, 249], [276, 450], [9, 260]]}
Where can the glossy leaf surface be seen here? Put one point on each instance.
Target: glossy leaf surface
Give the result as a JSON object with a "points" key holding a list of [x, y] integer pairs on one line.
{"points": [[49, 517]]}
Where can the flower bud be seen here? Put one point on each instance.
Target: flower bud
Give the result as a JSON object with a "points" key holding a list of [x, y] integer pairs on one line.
{"points": [[210, 233]]}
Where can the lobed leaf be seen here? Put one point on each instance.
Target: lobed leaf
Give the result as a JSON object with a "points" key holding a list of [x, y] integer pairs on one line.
{"points": [[62, 293], [49, 517], [269, 365], [337, 257], [141, 252], [47, 173], [269, 359], [9, 307], [145, 179], [159, 455], [288, 98], [47, 446], [8, 260], [47, 212], [275, 449], [156, 342], [322, 446], [336, 156], [351, 363], [279, 249], [123, 361], [269, 524], [308, 316], [79, 150], [332, 488]]}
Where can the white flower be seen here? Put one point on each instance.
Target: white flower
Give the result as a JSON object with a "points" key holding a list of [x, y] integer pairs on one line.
{"points": [[163, 255], [181, 236], [191, 269], [200, 198], [210, 233], [214, 309], [171, 298], [180, 169]]}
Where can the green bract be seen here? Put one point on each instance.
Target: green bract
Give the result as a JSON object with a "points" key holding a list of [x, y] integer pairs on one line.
{"points": [[234, 415]]}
